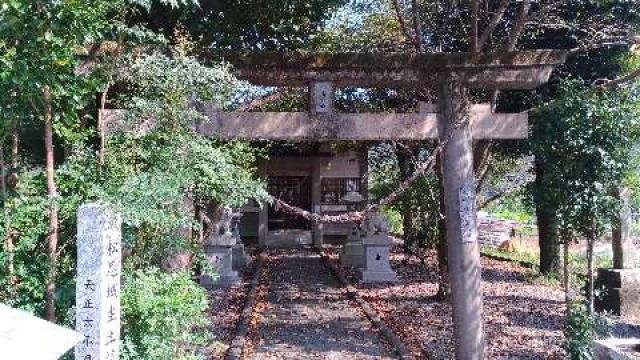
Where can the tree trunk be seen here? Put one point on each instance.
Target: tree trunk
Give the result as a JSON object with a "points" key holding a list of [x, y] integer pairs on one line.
{"points": [[101, 125], [547, 227], [52, 192], [591, 239], [3, 174], [15, 143], [404, 163], [443, 263], [565, 268]]}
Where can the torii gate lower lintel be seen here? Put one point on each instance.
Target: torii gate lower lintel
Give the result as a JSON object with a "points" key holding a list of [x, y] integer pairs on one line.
{"points": [[450, 75]]}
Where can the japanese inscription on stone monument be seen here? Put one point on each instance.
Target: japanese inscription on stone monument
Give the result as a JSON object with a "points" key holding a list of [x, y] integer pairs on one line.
{"points": [[467, 208], [322, 97], [98, 283]]}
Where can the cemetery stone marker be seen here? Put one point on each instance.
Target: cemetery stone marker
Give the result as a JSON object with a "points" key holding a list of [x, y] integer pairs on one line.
{"points": [[98, 283]]}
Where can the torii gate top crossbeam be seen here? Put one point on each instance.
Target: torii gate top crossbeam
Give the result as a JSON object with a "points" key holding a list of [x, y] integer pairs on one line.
{"points": [[515, 70]]}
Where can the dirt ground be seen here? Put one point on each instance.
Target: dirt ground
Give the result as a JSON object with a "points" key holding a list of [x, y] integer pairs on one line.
{"points": [[522, 320]]}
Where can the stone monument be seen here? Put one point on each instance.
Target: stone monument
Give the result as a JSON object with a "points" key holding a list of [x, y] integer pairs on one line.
{"points": [[377, 244], [98, 283], [239, 255], [621, 285], [218, 249]]}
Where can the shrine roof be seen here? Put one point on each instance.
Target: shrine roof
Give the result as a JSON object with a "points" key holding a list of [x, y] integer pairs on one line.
{"points": [[514, 70]]}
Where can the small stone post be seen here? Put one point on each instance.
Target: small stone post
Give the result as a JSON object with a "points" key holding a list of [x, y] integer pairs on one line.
{"points": [[219, 251], [377, 244], [624, 256], [98, 283]]}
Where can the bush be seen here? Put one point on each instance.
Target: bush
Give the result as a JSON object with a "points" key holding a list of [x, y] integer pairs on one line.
{"points": [[581, 329], [163, 316]]}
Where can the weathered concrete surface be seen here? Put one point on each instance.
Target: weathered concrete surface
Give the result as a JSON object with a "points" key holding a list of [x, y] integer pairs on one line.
{"points": [[459, 198], [624, 252], [308, 316], [516, 70], [301, 126], [98, 275], [616, 349]]}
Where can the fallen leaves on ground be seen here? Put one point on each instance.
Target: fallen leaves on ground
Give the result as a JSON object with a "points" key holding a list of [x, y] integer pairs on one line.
{"points": [[522, 320]]}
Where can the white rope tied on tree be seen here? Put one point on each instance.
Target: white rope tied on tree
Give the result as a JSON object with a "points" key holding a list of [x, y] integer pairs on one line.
{"points": [[359, 216]]}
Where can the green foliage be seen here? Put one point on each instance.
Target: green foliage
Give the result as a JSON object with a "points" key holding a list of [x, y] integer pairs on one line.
{"points": [[513, 207], [24, 220], [581, 329], [155, 160], [584, 138], [162, 316]]}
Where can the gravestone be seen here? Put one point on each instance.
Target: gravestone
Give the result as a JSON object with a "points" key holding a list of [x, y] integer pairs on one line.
{"points": [[24, 336], [219, 252], [239, 256], [353, 251], [377, 245], [98, 283], [621, 285]]}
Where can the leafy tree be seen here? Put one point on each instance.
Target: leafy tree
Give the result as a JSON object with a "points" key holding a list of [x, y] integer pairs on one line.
{"points": [[585, 139], [38, 43]]}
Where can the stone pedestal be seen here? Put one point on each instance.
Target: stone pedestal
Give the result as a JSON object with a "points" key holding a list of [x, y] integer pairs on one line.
{"points": [[619, 292], [240, 257], [352, 253], [377, 268], [220, 258]]}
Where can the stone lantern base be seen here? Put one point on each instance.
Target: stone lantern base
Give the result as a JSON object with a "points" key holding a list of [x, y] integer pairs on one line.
{"points": [[220, 258], [240, 257], [352, 253], [377, 268]]}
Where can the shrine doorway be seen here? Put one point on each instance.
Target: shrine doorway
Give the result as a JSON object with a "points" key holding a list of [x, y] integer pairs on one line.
{"points": [[284, 229], [296, 190]]}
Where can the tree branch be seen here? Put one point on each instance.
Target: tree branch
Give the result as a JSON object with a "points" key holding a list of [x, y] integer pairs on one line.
{"points": [[417, 25], [256, 103], [499, 196], [621, 81], [402, 22], [473, 41], [493, 23], [518, 27]]}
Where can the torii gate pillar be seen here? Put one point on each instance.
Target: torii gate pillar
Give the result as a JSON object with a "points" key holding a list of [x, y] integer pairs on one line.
{"points": [[461, 230]]}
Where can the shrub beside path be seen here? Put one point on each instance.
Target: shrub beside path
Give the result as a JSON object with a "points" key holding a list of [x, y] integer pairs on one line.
{"points": [[308, 316]]}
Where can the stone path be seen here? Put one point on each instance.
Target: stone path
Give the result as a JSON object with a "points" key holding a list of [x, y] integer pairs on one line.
{"points": [[307, 315]]}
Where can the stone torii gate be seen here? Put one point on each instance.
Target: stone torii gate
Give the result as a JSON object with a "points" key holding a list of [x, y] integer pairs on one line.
{"points": [[450, 75]]}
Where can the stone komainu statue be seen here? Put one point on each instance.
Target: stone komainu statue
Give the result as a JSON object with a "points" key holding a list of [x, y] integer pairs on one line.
{"points": [[376, 224]]}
